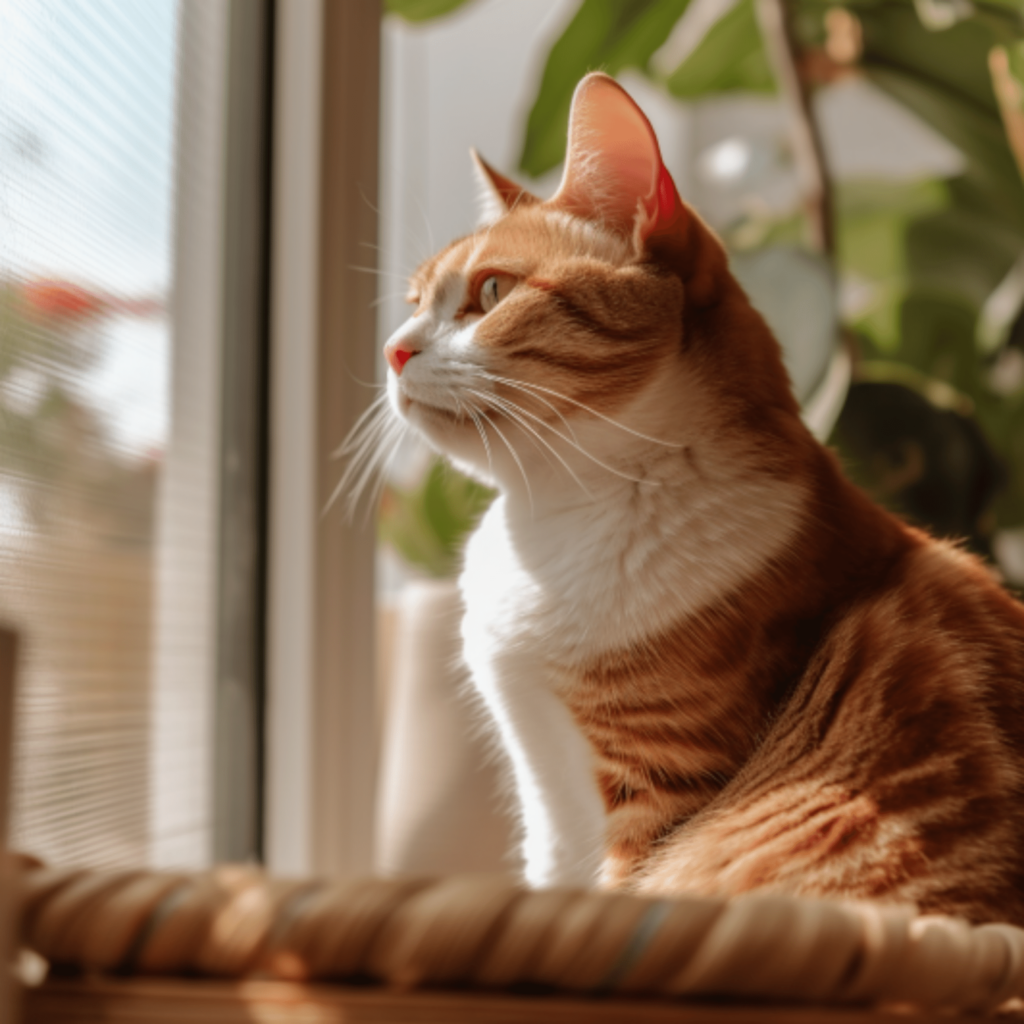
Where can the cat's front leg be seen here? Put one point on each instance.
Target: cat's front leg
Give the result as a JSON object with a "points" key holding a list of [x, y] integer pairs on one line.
{"points": [[563, 818]]}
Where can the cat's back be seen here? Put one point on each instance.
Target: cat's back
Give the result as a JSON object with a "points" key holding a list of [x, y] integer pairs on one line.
{"points": [[896, 768]]}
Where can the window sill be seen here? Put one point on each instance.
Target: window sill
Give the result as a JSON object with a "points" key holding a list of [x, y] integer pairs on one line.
{"points": [[77, 1001]]}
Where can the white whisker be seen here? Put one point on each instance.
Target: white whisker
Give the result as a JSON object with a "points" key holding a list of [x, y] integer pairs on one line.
{"points": [[368, 443], [514, 411], [388, 297], [515, 455], [378, 272], [583, 451], [366, 199], [374, 246], [426, 221], [370, 448], [373, 385], [385, 472], [587, 408], [374, 409], [481, 430], [374, 467], [362, 453], [519, 386], [508, 410]]}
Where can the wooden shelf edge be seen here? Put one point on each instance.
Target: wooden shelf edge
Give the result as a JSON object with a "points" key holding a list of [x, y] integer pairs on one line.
{"points": [[165, 1001]]}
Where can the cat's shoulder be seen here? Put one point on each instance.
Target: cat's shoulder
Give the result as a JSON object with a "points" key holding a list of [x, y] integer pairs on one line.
{"points": [[948, 582]]}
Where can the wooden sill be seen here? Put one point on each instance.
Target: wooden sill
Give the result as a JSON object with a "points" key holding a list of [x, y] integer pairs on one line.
{"points": [[153, 1001]]}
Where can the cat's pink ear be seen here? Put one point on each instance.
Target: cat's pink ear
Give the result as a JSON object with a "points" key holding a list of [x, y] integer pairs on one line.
{"points": [[497, 194], [613, 168]]}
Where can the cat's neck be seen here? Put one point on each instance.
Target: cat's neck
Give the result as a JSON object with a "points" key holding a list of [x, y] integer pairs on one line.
{"points": [[637, 558], [681, 448], [664, 441], [729, 514]]}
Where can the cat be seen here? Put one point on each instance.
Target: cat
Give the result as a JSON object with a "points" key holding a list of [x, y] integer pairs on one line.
{"points": [[715, 665]]}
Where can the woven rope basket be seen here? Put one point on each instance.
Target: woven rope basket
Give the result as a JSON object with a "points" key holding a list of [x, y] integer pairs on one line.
{"points": [[484, 932]]}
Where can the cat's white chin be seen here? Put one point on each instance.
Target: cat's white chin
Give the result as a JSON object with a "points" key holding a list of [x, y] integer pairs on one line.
{"points": [[451, 434], [425, 416], [437, 423]]}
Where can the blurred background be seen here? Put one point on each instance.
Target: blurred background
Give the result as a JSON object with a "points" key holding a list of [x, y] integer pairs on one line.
{"points": [[207, 212]]}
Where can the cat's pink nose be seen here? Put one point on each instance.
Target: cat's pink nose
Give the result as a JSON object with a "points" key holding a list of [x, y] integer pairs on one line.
{"points": [[398, 353]]}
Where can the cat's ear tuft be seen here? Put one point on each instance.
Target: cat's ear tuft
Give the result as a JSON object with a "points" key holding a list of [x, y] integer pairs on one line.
{"points": [[613, 168], [496, 194]]}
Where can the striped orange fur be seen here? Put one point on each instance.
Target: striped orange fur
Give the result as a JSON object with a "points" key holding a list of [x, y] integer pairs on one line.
{"points": [[715, 664]]}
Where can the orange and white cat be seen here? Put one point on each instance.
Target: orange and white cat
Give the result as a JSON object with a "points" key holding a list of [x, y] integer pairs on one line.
{"points": [[715, 665]]}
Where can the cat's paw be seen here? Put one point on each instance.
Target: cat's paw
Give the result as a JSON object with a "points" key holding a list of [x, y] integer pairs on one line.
{"points": [[615, 871]]}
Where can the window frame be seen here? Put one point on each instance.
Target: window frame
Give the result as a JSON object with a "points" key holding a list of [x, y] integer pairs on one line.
{"points": [[321, 764], [239, 687]]}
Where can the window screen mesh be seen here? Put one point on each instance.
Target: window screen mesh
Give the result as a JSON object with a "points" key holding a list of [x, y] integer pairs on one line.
{"points": [[87, 110]]}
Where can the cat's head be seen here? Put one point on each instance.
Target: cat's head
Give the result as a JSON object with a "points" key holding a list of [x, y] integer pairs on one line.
{"points": [[556, 345]]}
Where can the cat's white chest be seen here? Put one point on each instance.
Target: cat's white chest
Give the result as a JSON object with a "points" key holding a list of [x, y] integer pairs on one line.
{"points": [[516, 621], [560, 587], [545, 596], [612, 574]]}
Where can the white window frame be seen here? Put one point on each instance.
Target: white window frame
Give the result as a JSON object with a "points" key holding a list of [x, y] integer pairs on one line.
{"points": [[185, 599], [321, 763]]}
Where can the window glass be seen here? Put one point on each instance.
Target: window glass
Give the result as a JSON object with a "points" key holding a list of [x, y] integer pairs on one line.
{"points": [[87, 96]]}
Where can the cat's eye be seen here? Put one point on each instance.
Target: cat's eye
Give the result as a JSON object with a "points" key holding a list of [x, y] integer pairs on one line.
{"points": [[494, 289]]}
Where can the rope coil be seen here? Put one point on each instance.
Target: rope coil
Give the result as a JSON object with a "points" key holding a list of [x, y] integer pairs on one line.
{"points": [[234, 922]]}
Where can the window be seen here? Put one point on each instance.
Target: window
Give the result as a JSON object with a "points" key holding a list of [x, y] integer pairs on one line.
{"points": [[132, 334], [86, 215]]}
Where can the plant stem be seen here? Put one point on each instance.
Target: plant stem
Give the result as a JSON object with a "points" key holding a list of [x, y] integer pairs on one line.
{"points": [[783, 52], [1010, 102]]}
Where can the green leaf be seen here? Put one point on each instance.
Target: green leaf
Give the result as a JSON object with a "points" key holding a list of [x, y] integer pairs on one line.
{"points": [[422, 10], [1015, 53], [403, 525], [729, 58], [873, 217], [427, 525], [1012, 11], [955, 254], [874, 198], [604, 35], [956, 59], [944, 78], [991, 171], [937, 338]]}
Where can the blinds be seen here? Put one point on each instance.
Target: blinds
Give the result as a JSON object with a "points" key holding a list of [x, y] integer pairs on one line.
{"points": [[87, 172]]}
